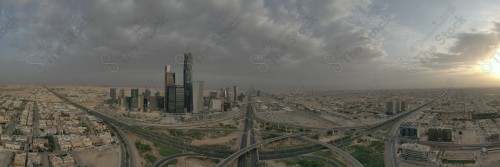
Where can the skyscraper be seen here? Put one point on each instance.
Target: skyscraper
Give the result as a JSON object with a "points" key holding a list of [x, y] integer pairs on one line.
{"points": [[391, 108], [112, 93], [176, 99], [229, 96], [122, 101], [147, 103], [134, 97], [140, 103], [122, 93], [398, 105], [235, 93], [188, 84], [169, 81], [198, 96]]}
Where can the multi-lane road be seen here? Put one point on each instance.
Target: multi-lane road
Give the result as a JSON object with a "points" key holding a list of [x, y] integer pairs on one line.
{"points": [[248, 135], [390, 147], [248, 129]]}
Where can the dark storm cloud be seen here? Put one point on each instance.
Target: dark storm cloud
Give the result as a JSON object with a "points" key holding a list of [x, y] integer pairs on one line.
{"points": [[121, 38], [326, 44]]}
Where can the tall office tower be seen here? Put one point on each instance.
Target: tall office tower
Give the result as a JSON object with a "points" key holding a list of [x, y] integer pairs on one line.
{"points": [[198, 96], [391, 108], [169, 81], [235, 93], [140, 103], [147, 93], [404, 106], [112, 93], [134, 97], [188, 83], [122, 93], [176, 99], [153, 103], [229, 96], [258, 93], [222, 94], [147, 103], [398, 105]]}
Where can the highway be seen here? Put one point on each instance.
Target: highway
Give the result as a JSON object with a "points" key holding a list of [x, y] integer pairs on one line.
{"points": [[125, 144], [248, 129], [254, 157], [242, 160], [163, 161], [391, 158], [239, 153], [347, 156], [132, 122], [229, 155], [326, 161], [367, 128], [145, 134]]}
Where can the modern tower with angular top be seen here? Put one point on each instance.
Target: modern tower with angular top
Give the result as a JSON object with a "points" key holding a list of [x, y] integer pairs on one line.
{"points": [[169, 81], [188, 82]]}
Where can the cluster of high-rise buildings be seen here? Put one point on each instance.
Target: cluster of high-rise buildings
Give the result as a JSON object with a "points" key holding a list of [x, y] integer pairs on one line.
{"points": [[225, 98], [143, 101], [396, 106], [187, 97]]}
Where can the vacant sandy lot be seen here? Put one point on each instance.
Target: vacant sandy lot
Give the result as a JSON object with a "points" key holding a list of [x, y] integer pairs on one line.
{"points": [[492, 157], [291, 117], [221, 140], [96, 158], [191, 162], [468, 137]]}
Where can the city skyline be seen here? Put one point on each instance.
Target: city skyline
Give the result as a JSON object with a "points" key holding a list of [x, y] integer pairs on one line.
{"points": [[235, 83]]}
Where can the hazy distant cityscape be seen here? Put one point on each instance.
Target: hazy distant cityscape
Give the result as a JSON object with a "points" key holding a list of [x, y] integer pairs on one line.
{"points": [[234, 83], [186, 124]]}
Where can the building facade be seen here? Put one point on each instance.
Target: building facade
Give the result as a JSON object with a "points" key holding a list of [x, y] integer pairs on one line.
{"points": [[198, 88], [188, 83], [176, 99], [415, 151], [169, 81]]}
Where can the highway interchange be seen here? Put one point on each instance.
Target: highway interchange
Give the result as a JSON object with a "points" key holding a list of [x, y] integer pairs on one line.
{"points": [[251, 149]]}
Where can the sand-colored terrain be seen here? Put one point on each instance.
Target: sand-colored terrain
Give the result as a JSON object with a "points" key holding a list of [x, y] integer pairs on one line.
{"points": [[192, 162], [468, 137], [221, 140], [96, 158]]}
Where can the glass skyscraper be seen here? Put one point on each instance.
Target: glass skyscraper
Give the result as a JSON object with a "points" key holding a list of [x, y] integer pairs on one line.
{"points": [[188, 83]]}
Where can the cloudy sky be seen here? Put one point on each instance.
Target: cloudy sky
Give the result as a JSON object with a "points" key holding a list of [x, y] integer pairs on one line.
{"points": [[273, 44]]}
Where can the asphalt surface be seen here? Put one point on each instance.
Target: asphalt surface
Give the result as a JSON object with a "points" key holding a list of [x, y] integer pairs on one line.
{"points": [[254, 157], [152, 136], [242, 160], [169, 142], [248, 129], [390, 147], [347, 156], [168, 158], [12, 124]]}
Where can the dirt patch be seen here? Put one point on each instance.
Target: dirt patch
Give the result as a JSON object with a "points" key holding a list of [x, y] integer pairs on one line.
{"points": [[104, 157]]}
